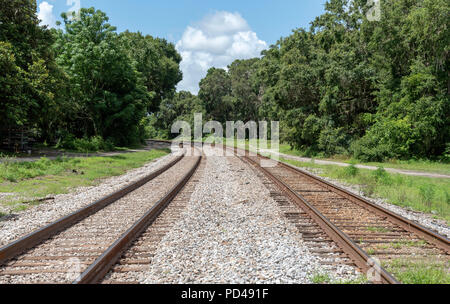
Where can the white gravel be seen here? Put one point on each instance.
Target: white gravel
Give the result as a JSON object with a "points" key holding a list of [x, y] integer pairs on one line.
{"points": [[233, 232], [423, 219], [15, 226]]}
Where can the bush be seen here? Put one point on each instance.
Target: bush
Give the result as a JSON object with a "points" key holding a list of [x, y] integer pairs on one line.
{"points": [[332, 141], [446, 156], [351, 171], [382, 177], [427, 194], [367, 149], [92, 144]]}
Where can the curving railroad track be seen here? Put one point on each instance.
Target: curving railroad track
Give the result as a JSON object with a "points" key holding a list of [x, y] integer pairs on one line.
{"points": [[82, 247]]}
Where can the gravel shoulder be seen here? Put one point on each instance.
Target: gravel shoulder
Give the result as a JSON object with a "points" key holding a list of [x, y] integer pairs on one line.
{"points": [[232, 232], [14, 226]]}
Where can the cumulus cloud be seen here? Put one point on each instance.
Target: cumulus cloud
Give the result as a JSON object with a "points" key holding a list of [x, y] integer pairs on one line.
{"points": [[215, 41], [46, 14]]}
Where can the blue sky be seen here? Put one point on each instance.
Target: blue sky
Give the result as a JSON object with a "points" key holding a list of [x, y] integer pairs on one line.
{"points": [[207, 32]]}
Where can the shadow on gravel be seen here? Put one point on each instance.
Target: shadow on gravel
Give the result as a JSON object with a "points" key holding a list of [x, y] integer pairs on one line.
{"points": [[8, 217]]}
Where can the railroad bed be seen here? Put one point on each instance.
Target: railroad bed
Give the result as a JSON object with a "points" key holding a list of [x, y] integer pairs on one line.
{"points": [[92, 239], [137, 233]]}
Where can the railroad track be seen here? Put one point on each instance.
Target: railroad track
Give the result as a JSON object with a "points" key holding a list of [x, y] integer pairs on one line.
{"points": [[82, 247], [367, 236]]}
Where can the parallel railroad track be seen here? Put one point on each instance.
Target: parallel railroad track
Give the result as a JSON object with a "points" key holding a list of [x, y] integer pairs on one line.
{"points": [[135, 262], [82, 247]]}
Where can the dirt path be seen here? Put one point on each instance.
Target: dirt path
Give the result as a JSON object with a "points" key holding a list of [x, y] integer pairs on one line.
{"points": [[328, 162]]}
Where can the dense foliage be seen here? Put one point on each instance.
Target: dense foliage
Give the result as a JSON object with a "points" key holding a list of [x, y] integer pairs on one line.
{"points": [[372, 89], [347, 85], [84, 85]]}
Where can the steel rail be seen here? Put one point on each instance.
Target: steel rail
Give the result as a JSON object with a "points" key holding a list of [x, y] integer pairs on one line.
{"points": [[101, 266], [33, 239], [361, 259], [436, 239]]}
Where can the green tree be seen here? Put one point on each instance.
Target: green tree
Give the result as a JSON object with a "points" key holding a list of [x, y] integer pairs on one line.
{"points": [[215, 91], [245, 89], [108, 93], [157, 61], [30, 80], [181, 107]]}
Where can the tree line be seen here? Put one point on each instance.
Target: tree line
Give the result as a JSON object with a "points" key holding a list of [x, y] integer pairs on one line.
{"points": [[374, 90], [83, 82]]}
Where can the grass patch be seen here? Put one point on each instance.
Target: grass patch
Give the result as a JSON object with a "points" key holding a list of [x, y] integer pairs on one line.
{"points": [[324, 278], [320, 278], [419, 272], [430, 195], [39, 179], [362, 279]]}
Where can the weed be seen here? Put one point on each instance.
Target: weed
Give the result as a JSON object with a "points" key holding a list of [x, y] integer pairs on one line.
{"points": [[381, 176], [427, 194], [321, 278], [351, 171], [370, 251], [362, 279], [419, 272]]}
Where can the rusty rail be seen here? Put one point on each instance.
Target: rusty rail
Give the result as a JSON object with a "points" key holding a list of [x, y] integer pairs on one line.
{"points": [[101, 266], [361, 259], [359, 256], [33, 239], [438, 240]]}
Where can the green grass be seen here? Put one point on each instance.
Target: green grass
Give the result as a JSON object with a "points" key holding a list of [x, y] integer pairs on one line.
{"points": [[409, 272], [362, 279], [320, 278], [324, 278], [34, 180], [430, 195]]}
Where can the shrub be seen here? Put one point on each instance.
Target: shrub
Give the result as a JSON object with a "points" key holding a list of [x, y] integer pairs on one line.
{"points": [[92, 144], [332, 141], [351, 171], [381, 176], [427, 194]]}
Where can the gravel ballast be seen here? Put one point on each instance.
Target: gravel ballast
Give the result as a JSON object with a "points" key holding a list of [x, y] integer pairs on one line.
{"points": [[13, 227], [232, 232]]}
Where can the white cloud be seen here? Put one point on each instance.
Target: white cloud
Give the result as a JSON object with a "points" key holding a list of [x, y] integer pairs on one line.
{"points": [[46, 14], [215, 41]]}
